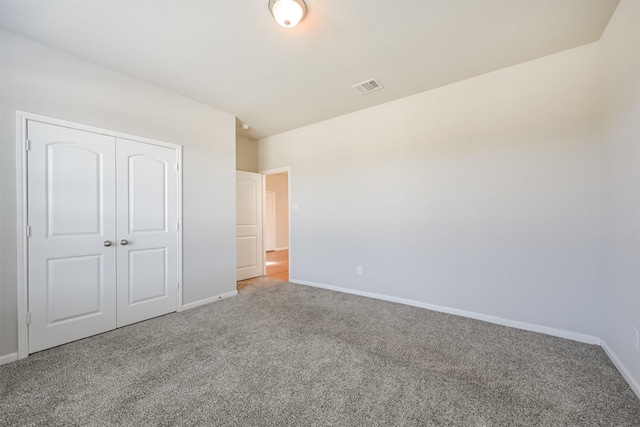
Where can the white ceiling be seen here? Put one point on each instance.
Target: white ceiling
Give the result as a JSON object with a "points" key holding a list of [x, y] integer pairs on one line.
{"points": [[232, 55]]}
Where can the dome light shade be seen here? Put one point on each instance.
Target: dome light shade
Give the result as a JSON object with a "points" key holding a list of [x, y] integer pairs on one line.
{"points": [[287, 12]]}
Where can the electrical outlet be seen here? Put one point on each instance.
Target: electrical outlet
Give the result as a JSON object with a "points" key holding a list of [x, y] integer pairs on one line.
{"points": [[635, 338], [359, 270]]}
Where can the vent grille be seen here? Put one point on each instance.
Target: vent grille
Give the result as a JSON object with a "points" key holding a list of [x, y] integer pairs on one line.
{"points": [[367, 86]]}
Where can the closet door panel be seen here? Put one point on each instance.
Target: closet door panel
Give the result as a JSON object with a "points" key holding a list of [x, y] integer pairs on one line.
{"points": [[147, 216], [71, 214]]}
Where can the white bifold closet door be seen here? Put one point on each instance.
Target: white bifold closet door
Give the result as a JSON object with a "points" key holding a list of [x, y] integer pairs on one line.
{"points": [[102, 215], [146, 227], [71, 213]]}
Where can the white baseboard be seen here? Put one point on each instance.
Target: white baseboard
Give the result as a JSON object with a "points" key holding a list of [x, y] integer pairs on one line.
{"points": [[8, 358], [285, 248], [633, 383], [209, 300], [575, 336]]}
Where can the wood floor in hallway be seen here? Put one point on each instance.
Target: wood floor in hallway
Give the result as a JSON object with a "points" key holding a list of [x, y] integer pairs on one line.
{"points": [[278, 264], [277, 268]]}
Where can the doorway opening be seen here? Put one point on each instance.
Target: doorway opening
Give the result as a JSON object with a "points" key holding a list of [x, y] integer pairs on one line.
{"points": [[276, 224], [262, 227]]}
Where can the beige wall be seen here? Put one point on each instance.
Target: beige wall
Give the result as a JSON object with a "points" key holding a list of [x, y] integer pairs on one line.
{"points": [[42, 80], [620, 301], [481, 196], [246, 154], [279, 183]]}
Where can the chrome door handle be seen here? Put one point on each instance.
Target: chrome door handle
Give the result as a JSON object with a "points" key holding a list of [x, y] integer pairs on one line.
{"points": [[124, 242], [107, 243]]}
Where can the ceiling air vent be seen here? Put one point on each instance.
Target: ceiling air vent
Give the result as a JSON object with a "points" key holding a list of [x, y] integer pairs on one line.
{"points": [[367, 86]]}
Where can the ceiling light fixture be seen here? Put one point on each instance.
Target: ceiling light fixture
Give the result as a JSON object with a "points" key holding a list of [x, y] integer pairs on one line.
{"points": [[287, 12]]}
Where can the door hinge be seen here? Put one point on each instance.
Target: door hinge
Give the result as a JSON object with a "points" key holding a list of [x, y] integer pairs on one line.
{"points": [[177, 167], [177, 226], [177, 286], [28, 231], [27, 145], [28, 318]]}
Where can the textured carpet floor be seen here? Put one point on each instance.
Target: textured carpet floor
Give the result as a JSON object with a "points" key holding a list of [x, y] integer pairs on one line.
{"points": [[284, 354]]}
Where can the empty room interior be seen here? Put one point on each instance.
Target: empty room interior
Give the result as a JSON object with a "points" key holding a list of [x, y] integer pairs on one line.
{"points": [[305, 212]]}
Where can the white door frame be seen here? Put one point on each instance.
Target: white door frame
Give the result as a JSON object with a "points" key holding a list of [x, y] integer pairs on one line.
{"points": [[265, 172], [21, 214]]}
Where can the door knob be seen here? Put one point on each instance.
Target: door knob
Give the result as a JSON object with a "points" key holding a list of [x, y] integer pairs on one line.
{"points": [[124, 242], [107, 243]]}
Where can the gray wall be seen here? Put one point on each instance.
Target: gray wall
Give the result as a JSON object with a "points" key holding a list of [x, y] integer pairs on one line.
{"points": [[480, 196], [620, 301], [41, 80]]}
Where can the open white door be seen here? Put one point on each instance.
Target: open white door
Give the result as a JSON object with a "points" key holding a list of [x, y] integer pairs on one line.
{"points": [[249, 250]]}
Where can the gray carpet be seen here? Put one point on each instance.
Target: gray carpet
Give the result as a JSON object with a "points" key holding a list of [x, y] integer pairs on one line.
{"points": [[282, 354]]}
